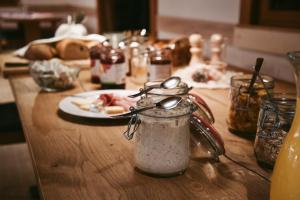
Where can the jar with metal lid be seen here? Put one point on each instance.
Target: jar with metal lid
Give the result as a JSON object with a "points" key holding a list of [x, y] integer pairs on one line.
{"points": [[113, 69], [95, 55], [275, 119], [244, 105], [139, 66], [162, 140], [182, 90], [160, 65]]}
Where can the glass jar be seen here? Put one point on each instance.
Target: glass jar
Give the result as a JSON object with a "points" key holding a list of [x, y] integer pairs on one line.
{"points": [[162, 146], [244, 108], [160, 65], [95, 55], [139, 66], [163, 140], [113, 69], [274, 122]]}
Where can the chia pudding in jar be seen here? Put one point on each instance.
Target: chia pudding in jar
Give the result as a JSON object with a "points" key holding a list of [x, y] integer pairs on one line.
{"points": [[163, 139]]}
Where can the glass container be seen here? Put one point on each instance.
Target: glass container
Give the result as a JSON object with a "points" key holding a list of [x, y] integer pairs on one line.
{"points": [[163, 140], [139, 66], [274, 121], [160, 65], [286, 175], [112, 69], [244, 107], [53, 76]]}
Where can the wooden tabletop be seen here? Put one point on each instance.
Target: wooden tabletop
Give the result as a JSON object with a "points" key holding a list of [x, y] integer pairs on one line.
{"points": [[78, 158]]}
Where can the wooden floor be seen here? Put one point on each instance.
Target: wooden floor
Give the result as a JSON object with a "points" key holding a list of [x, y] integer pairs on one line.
{"points": [[17, 180]]}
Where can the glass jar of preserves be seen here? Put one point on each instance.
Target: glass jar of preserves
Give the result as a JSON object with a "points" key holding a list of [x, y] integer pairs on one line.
{"points": [[113, 69], [160, 65], [95, 55], [244, 106], [139, 66], [275, 119]]}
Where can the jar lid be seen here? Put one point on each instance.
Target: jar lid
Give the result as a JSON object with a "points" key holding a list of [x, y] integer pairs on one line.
{"points": [[202, 108], [181, 89], [213, 139], [284, 103]]}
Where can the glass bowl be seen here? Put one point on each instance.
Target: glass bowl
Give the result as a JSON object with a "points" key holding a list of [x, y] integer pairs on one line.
{"points": [[53, 76]]}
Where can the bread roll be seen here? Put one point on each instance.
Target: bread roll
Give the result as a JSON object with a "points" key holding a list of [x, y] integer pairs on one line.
{"points": [[70, 49], [40, 52]]}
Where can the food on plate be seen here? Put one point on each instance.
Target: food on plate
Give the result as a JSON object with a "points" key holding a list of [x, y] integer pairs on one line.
{"points": [[107, 103], [40, 52], [114, 109], [83, 101], [70, 49]]}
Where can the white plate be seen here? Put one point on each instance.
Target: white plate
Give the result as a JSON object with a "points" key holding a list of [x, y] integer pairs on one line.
{"points": [[67, 106]]}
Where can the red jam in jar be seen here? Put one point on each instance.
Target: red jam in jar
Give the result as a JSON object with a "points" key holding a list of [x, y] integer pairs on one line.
{"points": [[113, 69]]}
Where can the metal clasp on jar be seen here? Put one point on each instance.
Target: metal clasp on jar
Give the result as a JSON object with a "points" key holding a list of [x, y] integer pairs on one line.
{"points": [[132, 126], [268, 121]]}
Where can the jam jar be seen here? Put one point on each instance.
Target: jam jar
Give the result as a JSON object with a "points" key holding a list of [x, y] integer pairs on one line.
{"points": [[274, 122], [160, 65], [244, 106], [95, 54], [113, 69]]}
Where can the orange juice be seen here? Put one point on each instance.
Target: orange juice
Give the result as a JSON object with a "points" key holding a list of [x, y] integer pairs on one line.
{"points": [[286, 175]]}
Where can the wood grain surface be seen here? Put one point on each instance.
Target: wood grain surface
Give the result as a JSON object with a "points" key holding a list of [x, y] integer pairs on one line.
{"points": [[78, 158]]}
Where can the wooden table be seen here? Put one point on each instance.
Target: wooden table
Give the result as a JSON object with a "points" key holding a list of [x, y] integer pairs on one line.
{"points": [[78, 158], [29, 22]]}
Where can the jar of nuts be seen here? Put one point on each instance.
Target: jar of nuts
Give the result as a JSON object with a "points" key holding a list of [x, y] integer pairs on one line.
{"points": [[244, 105], [275, 119]]}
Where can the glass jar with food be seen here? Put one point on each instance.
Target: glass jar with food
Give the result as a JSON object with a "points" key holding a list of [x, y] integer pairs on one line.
{"points": [[160, 65], [95, 55], [113, 69], [139, 66], [162, 146], [244, 105], [52, 75], [275, 119]]}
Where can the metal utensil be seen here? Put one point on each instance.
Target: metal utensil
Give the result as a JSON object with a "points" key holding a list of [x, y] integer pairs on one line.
{"points": [[257, 67], [167, 104], [169, 83]]}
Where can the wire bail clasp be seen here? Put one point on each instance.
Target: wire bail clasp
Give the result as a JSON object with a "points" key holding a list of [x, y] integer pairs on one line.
{"points": [[133, 125]]}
